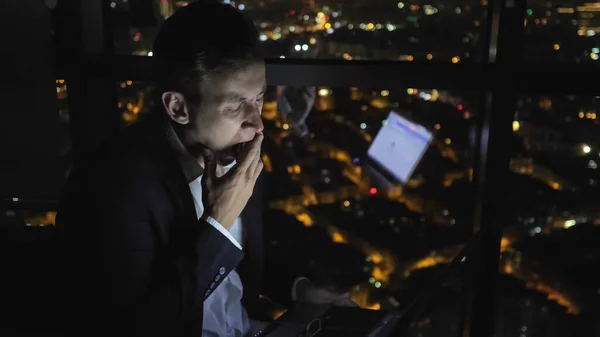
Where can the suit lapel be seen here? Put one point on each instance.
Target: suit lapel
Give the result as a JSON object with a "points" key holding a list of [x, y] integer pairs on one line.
{"points": [[173, 178], [182, 198]]}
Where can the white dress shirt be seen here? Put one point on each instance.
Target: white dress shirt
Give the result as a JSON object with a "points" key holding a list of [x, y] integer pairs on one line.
{"points": [[224, 315]]}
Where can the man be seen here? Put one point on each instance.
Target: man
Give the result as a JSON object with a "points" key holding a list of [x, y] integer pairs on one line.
{"points": [[162, 237], [295, 104]]}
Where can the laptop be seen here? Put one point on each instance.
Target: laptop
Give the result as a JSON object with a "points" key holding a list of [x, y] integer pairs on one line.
{"points": [[398, 148]]}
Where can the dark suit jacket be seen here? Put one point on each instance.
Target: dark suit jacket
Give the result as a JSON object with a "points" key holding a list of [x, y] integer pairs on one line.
{"points": [[138, 262]]}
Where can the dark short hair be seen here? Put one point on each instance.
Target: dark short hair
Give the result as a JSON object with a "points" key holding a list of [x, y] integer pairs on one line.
{"points": [[201, 38]]}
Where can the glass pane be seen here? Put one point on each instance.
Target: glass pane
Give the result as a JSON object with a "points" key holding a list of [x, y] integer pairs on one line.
{"points": [[27, 229], [349, 29], [135, 100], [562, 31], [34, 212], [368, 234], [379, 242], [552, 239]]}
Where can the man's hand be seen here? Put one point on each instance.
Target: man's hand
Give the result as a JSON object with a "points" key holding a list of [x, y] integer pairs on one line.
{"points": [[308, 292], [224, 198]]}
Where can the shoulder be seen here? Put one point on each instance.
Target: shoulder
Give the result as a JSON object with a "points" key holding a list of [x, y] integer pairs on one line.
{"points": [[129, 155], [127, 161]]}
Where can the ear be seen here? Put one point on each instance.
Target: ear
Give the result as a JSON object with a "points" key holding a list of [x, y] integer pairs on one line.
{"points": [[176, 107]]}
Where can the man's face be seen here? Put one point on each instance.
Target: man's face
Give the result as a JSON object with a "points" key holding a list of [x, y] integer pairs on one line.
{"points": [[230, 111]]}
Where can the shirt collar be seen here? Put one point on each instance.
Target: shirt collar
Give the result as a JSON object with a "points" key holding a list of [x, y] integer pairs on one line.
{"points": [[190, 166]]}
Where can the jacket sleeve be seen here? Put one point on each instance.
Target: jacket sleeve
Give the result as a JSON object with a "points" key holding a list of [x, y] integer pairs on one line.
{"points": [[140, 287]]}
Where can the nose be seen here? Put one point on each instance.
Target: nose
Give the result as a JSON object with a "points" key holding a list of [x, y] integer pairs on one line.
{"points": [[259, 125], [254, 119]]}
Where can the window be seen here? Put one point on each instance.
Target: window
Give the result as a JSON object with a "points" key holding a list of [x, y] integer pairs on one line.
{"points": [[135, 100], [349, 29], [382, 245], [562, 31], [23, 210], [551, 240]]}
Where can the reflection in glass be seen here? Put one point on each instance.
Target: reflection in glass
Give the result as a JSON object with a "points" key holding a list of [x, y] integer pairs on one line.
{"points": [[380, 245], [552, 239], [350, 29]]}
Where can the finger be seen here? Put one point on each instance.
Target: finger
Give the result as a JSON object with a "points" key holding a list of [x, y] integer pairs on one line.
{"points": [[251, 173], [252, 151], [210, 165], [257, 170], [257, 164]]}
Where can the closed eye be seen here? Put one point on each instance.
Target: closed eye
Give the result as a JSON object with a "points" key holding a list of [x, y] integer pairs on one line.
{"points": [[234, 110]]}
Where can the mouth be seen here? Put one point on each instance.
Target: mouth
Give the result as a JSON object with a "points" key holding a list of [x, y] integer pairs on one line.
{"points": [[238, 147], [236, 150]]}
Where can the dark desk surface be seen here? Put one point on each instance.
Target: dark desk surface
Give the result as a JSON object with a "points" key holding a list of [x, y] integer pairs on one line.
{"points": [[303, 313], [338, 322]]}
